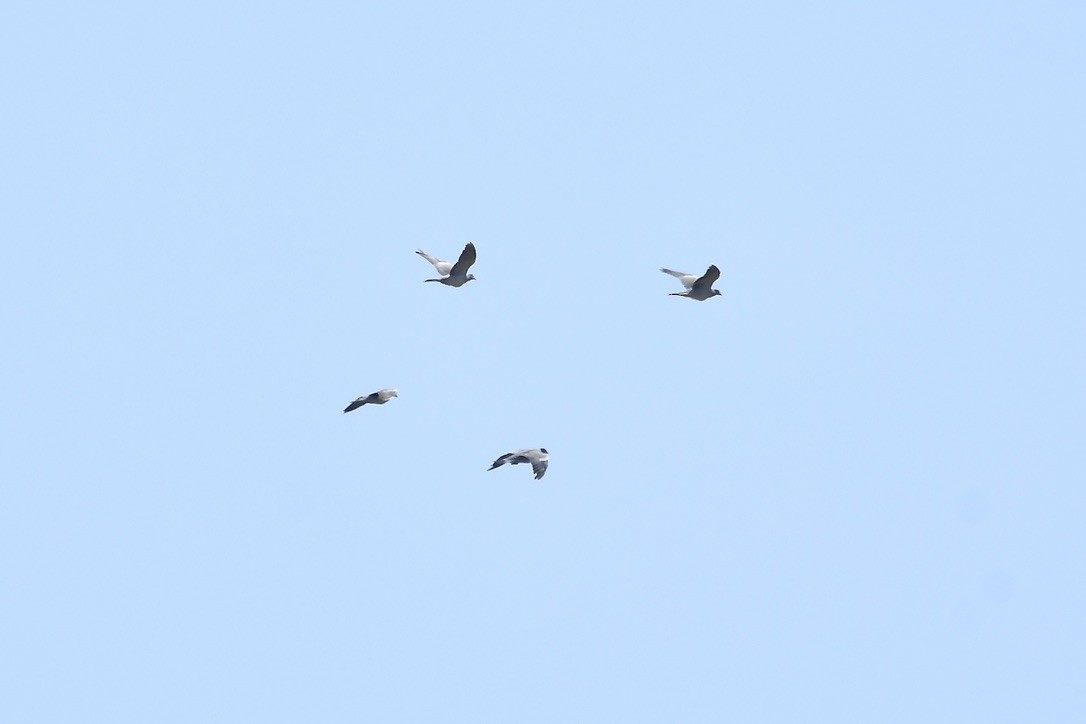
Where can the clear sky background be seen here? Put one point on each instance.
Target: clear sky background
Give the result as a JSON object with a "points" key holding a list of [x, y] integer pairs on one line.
{"points": [[848, 490]]}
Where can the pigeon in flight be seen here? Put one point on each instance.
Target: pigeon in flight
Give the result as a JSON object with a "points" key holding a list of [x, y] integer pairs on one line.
{"points": [[699, 288], [453, 275], [538, 458], [375, 398]]}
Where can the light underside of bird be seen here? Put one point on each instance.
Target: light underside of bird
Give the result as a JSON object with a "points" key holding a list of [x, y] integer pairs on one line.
{"points": [[453, 275], [699, 288], [537, 458], [374, 398]]}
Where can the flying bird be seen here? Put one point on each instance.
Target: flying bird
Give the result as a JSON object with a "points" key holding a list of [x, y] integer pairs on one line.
{"points": [[537, 457], [374, 398], [699, 288], [453, 275]]}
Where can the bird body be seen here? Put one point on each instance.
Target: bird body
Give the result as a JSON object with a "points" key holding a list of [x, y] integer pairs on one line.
{"points": [[699, 288], [538, 457], [375, 398], [453, 275]]}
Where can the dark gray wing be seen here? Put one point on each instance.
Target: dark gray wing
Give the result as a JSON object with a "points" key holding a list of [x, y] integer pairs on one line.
{"points": [[361, 401], [467, 258], [539, 467], [500, 461], [706, 280]]}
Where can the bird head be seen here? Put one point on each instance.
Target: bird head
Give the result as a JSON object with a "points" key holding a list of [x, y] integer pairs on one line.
{"points": [[717, 292], [471, 277], [393, 393], [544, 450]]}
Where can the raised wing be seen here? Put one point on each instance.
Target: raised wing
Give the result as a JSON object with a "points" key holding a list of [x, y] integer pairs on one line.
{"points": [[686, 279], [707, 280], [672, 272], [467, 258], [500, 461], [442, 267]]}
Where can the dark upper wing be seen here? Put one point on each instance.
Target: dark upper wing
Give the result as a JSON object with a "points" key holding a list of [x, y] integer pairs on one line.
{"points": [[500, 461], [707, 279], [467, 258], [361, 401]]}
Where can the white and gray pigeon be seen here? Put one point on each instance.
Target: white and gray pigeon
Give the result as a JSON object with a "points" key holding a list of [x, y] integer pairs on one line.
{"points": [[537, 457], [374, 398], [453, 275], [700, 288]]}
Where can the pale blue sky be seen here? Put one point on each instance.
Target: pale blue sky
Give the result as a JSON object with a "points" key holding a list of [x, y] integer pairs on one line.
{"points": [[848, 490]]}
